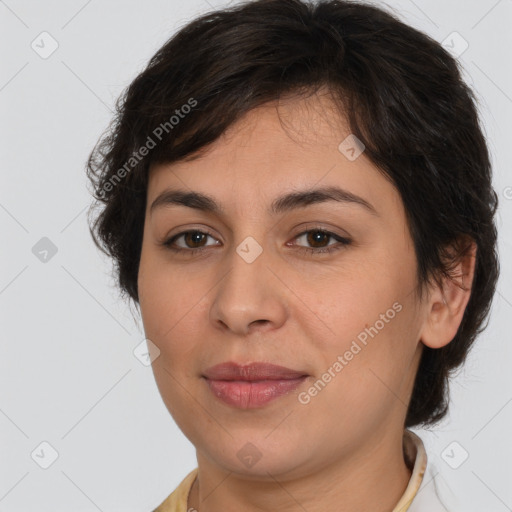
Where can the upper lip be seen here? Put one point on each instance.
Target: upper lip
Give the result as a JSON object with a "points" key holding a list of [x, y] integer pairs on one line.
{"points": [[253, 371]]}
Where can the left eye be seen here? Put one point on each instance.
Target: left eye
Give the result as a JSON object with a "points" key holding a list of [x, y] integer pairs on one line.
{"points": [[318, 236]]}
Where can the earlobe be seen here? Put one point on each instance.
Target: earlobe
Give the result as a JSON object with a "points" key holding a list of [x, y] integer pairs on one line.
{"points": [[447, 303]]}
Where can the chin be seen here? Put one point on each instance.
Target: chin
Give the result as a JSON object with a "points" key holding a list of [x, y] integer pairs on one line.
{"points": [[260, 459]]}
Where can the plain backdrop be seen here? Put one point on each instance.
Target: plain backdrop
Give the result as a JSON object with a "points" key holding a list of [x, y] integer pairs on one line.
{"points": [[73, 395]]}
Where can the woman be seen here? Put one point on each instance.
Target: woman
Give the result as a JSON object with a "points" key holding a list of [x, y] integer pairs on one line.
{"points": [[298, 197]]}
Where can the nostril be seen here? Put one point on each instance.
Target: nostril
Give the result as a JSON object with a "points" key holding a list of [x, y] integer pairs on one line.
{"points": [[259, 322]]}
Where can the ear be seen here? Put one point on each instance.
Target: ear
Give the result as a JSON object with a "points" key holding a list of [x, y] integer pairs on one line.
{"points": [[449, 298]]}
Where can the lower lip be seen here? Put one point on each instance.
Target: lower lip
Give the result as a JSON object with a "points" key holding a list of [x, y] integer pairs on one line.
{"points": [[252, 394]]}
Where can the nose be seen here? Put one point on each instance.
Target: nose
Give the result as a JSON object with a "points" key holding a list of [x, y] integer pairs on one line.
{"points": [[249, 297]]}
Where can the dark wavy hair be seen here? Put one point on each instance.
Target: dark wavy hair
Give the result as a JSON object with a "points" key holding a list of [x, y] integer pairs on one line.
{"points": [[402, 95]]}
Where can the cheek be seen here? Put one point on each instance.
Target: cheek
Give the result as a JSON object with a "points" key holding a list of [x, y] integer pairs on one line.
{"points": [[365, 313], [337, 307], [174, 306], [377, 350], [169, 312], [164, 300]]}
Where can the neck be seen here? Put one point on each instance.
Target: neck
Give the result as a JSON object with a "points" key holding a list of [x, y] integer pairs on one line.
{"points": [[373, 477]]}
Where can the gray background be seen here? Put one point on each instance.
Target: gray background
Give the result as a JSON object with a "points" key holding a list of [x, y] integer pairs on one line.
{"points": [[68, 375]]}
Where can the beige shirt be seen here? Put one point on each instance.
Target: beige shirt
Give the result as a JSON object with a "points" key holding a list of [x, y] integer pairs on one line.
{"points": [[421, 494]]}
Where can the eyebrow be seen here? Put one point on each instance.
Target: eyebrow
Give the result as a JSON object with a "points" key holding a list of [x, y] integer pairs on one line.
{"points": [[285, 203]]}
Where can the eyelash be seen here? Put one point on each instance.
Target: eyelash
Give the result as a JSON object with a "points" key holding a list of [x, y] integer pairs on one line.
{"points": [[305, 250]]}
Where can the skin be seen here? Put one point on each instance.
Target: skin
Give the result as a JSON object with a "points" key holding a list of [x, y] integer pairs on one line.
{"points": [[342, 450]]}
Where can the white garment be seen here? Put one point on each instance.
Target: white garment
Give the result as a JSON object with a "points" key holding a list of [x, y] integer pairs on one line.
{"points": [[433, 494]]}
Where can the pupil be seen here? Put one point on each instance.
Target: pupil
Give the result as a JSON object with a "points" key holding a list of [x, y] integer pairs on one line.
{"points": [[195, 234], [316, 239]]}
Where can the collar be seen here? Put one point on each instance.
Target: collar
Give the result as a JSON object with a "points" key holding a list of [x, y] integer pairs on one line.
{"points": [[416, 459]]}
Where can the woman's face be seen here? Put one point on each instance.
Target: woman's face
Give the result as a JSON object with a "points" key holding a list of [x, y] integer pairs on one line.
{"points": [[349, 319]]}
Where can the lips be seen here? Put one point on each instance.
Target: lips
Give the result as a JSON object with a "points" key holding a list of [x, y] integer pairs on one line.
{"points": [[253, 385], [251, 372]]}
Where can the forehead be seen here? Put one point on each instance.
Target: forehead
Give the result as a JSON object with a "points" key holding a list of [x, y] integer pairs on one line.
{"points": [[273, 149]]}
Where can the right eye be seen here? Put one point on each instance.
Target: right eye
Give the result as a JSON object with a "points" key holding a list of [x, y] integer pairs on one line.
{"points": [[191, 237]]}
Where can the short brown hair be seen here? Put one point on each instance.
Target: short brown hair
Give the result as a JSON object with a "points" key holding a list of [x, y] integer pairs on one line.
{"points": [[403, 96]]}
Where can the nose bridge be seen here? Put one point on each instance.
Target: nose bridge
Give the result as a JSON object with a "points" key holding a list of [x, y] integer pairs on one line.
{"points": [[249, 292]]}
